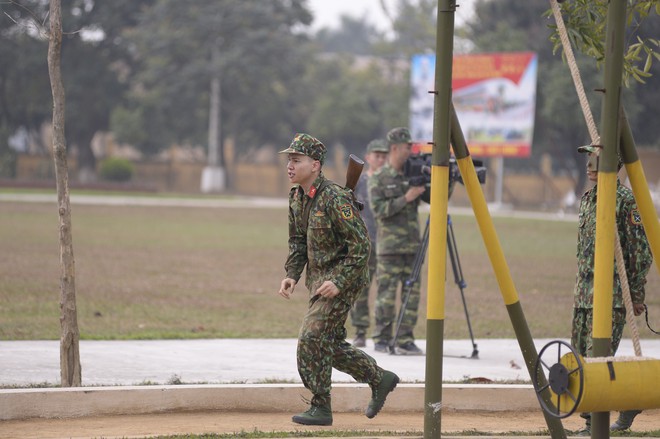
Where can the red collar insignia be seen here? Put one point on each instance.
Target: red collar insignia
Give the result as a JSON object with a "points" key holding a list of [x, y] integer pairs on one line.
{"points": [[312, 192]]}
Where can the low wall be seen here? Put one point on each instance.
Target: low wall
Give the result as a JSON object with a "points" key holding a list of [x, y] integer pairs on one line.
{"points": [[535, 191], [99, 401]]}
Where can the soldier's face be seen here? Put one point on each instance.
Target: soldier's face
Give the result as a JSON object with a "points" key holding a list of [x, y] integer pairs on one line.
{"points": [[592, 166], [376, 160], [399, 153], [302, 169]]}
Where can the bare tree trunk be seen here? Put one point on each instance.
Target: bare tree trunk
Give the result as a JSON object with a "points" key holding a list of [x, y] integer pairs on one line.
{"points": [[69, 337]]}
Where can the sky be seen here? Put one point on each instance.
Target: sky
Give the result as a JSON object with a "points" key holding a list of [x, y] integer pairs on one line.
{"points": [[327, 12]]}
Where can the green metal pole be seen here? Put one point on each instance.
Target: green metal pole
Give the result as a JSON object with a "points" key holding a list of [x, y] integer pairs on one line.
{"points": [[606, 193], [438, 225]]}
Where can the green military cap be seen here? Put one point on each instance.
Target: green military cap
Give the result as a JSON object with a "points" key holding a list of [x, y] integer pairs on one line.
{"points": [[306, 145], [377, 145], [399, 135], [597, 148], [589, 148]]}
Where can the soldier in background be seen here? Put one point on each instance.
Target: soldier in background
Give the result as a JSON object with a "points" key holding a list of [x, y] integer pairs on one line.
{"points": [[376, 156], [637, 257], [394, 203], [327, 235]]}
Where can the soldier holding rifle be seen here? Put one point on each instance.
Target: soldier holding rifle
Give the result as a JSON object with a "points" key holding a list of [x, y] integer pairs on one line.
{"points": [[327, 234]]}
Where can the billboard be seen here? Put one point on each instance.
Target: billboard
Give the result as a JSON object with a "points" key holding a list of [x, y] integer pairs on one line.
{"points": [[494, 95]]}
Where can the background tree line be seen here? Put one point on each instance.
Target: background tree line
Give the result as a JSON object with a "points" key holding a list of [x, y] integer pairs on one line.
{"points": [[142, 69]]}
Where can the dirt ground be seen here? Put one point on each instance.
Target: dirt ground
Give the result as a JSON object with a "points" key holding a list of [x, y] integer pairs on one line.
{"points": [[138, 426]]}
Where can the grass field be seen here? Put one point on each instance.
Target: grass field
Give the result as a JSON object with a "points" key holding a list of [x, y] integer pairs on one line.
{"points": [[172, 272]]}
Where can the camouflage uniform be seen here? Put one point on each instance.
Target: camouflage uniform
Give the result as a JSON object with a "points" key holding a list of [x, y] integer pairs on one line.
{"points": [[637, 257], [334, 246], [360, 311], [397, 244]]}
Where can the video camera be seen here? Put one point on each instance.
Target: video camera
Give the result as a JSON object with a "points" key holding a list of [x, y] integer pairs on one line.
{"points": [[417, 169]]}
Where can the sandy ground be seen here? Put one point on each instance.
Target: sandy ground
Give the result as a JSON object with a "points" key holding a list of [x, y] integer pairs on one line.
{"points": [[138, 426]]}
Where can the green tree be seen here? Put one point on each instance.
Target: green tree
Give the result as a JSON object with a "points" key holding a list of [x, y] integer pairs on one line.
{"points": [[94, 62], [585, 22], [24, 98], [259, 60], [413, 27], [354, 105], [353, 36]]}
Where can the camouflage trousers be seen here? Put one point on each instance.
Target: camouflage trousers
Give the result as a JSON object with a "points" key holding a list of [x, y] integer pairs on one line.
{"points": [[393, 271], [322, 345], [582, 332], [360, 311]]}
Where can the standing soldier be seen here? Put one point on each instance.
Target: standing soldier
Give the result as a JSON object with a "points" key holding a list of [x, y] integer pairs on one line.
{"points": [[394, 203], [327, 235], [375, 157], [637, 260]]}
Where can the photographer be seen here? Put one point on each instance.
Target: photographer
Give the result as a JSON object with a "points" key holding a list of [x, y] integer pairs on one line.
{"points": [[394, 203]]}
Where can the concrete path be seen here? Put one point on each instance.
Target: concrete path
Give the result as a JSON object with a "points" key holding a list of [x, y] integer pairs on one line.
{"points": [[226, 361]]}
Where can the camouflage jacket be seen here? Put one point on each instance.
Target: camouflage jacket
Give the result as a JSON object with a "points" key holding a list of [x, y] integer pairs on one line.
{"points": [[634, 246], [334, 245], [362, 194], [397, 220]]}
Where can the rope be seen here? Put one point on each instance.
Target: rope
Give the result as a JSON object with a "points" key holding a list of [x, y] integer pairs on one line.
{"points": [[595, 140]]}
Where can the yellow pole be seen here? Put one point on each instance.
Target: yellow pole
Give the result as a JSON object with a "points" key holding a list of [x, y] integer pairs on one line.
{"points": [[640, 188], [604, 256], [437, 243], [646, 208], [489, 235]]}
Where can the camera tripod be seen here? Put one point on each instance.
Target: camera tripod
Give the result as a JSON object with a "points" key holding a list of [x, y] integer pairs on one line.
{"points": [[414, 277]]}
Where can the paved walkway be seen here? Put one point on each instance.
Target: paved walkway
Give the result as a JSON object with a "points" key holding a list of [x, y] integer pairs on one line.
{"points": [[216, 361]]}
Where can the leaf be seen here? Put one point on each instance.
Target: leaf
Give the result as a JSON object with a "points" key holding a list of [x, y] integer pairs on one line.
{"points": [[649, 62]]}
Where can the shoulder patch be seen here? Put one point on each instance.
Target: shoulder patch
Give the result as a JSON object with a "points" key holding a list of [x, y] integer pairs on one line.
{"points": [[346, 211], [635, 217]]}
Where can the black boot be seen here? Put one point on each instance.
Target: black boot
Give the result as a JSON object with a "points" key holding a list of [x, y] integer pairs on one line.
{"points": [[379, 393], [625, 420], [316, 415]]}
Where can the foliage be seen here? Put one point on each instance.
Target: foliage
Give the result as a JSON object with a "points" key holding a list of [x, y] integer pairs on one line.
{"points": [[142, 69], [116, 169], [92, 69], [354, 106], [354, 35], [258, 60], [586, 22]]}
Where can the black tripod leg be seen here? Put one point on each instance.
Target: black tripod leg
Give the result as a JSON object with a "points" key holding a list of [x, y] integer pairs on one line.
{"points": [[409, 284], [458, 278]]}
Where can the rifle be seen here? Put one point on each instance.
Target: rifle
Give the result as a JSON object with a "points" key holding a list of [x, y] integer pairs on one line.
{"points": [[355, 166]]}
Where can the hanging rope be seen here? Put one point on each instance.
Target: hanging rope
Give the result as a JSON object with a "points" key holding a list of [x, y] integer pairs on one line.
{"points": [[595, 140]]}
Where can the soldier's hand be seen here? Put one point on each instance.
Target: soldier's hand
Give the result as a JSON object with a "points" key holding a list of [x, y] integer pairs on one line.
{"points": [[414, 192], [327, 289], [638, 308], [287, 287]]}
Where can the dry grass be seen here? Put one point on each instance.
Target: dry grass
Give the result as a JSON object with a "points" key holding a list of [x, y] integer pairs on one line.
{"points": [[163, 272]]}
